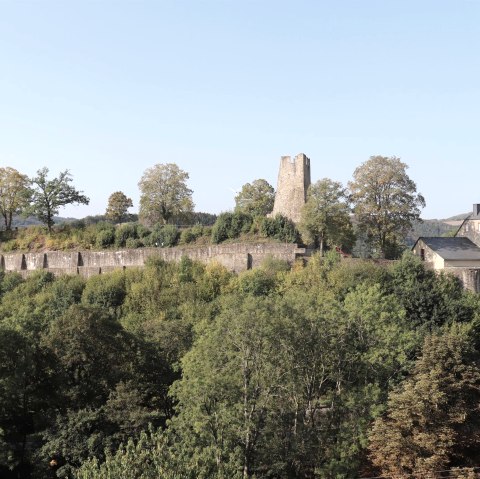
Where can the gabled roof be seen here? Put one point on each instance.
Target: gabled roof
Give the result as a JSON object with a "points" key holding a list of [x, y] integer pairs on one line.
{"points": [[458, 248]]}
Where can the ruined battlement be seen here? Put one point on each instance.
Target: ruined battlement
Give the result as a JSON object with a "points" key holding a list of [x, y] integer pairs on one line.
{"points": [[234, 256], [292, 186]]}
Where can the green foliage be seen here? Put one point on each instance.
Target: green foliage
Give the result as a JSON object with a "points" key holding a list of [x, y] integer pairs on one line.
{"points": [[105, 237], [386, 202], [164, 194], [10, 281], [255, 199], [432, 421], [125, 232], [274, 265], [280, 228], [274, 372], [117, 208], [231, 226], [106, 291], [190, 235], [48, 196], [163, 236], [14, 194], [326, 216], [430, 301], [147, 458], [256, 282]]}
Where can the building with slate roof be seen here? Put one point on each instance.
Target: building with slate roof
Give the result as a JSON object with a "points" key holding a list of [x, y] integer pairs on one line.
{"points": [[459, 255]]}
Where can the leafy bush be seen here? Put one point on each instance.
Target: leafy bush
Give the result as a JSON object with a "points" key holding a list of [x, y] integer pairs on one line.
{"points": [[105, 290], [142, 231], [10, 281], [256, 282], [133, 243], [274, 265], [280, 228], [125, 232], [230, 226], [105, 238], [190, 235], [163, 236]]}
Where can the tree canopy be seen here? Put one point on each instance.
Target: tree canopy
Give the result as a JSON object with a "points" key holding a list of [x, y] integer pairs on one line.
{"points": [[48, 196], [432, 420], [325, 217], [117, 207], [255, 198], [164, 193], [385, 201], [14, 194]]}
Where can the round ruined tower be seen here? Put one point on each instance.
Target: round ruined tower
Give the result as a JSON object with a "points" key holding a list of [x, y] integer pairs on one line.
{"points": [[293, 182]]}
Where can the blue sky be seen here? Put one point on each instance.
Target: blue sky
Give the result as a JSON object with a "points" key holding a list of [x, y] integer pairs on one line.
{"points": [[224, 88]]}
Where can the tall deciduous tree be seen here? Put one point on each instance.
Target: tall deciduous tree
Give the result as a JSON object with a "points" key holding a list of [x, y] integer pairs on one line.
{"points": [[164, 193], [48, 196], [255, 198], [326, 215], [385, 200], [14, 194], [432, 421], [117, 208]]}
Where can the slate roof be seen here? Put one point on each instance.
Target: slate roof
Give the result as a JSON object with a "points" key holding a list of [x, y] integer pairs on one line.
{"points": [[459, 248]]}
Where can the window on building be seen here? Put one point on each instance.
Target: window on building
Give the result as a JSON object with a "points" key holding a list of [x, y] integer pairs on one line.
{"points": [[422, 254]]}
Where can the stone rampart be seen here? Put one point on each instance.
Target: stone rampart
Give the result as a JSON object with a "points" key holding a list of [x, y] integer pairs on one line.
{"points": [[236, 257]]}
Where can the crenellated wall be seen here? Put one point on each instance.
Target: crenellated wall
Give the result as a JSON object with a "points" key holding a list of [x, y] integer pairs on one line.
{"points": [[236, 257]]}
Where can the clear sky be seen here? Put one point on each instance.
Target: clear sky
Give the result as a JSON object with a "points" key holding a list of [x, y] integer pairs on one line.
{"points": [[224, 88]]}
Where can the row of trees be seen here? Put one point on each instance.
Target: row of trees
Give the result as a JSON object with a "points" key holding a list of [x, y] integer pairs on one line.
{"points": [[37, 196], [164, 195], [381, 196]]}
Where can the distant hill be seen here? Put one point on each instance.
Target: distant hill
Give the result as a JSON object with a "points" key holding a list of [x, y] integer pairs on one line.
{"points": [[435, 227], [20, 222]]}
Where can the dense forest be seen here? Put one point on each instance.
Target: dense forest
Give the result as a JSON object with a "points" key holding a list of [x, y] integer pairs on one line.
{"points": [[335, 368]]}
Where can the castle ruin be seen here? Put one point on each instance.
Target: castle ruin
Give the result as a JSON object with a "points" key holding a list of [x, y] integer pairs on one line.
{"points": [[293, 182]]}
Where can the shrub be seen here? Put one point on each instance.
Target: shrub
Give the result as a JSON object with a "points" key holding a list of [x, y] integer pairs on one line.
{"points": [[125, 232], [10, 281], [230, 226], [142, 231], [105, 290], [163, 236], [256, 282], [105, 238], [133, 243], [274, 265], [280, 228], [190, 235]]}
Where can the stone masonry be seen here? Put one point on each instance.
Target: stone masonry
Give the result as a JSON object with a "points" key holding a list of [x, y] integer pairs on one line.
{"points": [[234, 256], [293, 182]]}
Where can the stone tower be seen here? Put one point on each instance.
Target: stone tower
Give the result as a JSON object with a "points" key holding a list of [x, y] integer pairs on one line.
{"points": [[292, 186]]}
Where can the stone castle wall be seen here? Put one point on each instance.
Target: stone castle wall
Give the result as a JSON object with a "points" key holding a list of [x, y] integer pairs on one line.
{"points": [[236, 257], [293, 182]]}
